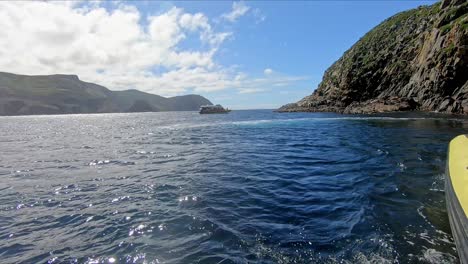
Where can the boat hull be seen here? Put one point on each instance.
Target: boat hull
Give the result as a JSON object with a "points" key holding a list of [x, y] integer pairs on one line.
{"points": [[456, 193], [215, 112]]}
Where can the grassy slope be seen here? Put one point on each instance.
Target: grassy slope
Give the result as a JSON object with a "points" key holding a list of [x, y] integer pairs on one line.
{"points": [[55, 94]]}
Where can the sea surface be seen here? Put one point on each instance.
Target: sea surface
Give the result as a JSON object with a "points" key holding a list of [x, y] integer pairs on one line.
{"points": [[244, 187]]}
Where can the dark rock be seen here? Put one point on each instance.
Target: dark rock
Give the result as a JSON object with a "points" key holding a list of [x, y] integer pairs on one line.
{"points": [[464, 106], [445, 104]]}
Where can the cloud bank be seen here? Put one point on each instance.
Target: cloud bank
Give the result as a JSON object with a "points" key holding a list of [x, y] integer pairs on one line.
{"points": [[120, 48]]}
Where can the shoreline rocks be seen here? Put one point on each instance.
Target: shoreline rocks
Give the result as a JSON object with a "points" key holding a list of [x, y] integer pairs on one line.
{"points": [[380, 105]]}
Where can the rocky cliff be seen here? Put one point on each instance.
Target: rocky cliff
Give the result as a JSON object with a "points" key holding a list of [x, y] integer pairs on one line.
{"points": [[415, 60], [67, 94]]}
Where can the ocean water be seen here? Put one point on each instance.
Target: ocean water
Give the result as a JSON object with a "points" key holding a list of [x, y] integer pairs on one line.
{"points": [[246, 187]]}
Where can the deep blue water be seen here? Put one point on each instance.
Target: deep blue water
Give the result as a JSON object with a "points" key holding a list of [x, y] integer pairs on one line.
{"points": [[246, 187]]}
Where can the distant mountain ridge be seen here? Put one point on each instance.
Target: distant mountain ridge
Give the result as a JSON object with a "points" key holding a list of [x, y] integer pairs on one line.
{"points": [[414, 60], [67, 94]]}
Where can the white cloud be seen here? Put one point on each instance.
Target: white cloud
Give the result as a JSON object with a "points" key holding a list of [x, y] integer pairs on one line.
{"points": [[238, 9], [194, 22], [256, 85], [251, 90], [199, 22], [121, 49], [268, 71]]}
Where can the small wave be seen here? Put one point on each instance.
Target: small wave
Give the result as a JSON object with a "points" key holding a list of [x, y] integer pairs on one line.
{"points": [[305, 119], [382, 152], [433, 256], [420, 212], [107, 162], [264, 121], [402, 167], [425, 236]]}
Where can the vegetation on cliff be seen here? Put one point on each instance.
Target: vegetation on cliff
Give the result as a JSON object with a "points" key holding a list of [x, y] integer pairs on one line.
{"points": [[415, 60], [67, 94]]}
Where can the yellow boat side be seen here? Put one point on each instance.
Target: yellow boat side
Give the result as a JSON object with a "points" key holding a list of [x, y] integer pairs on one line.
{"points": [[456, 193], [458, 167]]}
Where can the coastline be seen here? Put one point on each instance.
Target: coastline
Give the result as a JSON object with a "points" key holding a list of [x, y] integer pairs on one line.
{"points": [[372, 106]]}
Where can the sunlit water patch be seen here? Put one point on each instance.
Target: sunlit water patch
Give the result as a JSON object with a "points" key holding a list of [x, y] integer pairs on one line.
{"points": [[246, 187]]}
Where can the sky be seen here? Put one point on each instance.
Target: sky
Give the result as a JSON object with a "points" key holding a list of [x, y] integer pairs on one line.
{"points": [[243, 54]]}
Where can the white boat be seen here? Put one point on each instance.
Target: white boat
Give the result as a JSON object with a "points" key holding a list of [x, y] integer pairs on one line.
{"points": [[213, 109]]}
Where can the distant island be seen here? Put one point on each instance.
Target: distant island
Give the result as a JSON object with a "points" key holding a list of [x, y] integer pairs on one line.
{"points": [[415, 60], [67, 94]]}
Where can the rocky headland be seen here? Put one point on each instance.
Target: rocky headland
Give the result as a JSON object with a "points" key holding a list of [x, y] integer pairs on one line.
{"points": [[414, 60]]}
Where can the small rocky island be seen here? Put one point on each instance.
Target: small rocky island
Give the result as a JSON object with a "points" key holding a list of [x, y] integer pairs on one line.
{"points": [[415, 60]]}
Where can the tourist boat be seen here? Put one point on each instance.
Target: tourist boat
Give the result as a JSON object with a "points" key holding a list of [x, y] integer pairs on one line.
{"points": [[213, 109], [456, 193]]}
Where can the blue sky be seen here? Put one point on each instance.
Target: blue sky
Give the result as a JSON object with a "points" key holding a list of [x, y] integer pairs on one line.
{"points": [[296, 38], [244, 55]]}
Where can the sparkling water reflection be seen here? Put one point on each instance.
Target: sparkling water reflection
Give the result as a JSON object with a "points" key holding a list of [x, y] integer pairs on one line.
{"points": [[250, 186]]}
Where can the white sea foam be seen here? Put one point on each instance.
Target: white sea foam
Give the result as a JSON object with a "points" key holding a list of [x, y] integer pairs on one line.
{"points": [[305, 119], [431, 255], [420, 212]]}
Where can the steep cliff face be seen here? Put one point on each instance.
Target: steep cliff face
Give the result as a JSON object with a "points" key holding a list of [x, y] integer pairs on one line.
{"points": [[415, 60]]}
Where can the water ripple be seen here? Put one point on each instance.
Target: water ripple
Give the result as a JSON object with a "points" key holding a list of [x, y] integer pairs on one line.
{"points": [[248, 187]]}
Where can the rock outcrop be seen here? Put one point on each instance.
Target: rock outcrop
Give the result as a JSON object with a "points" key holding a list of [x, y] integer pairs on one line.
{"points": [[415, 60], [67, 94]]}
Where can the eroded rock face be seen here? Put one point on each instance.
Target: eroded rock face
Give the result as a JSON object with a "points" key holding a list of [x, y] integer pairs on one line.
{"points": [[415, 60]]}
